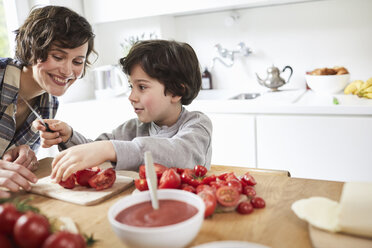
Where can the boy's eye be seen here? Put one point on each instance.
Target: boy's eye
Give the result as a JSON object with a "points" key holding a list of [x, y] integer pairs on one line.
{"points": [[142, 87]]}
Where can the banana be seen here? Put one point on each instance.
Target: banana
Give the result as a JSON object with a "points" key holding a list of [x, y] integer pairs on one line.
{"points": [[353, 87], [368, 95]]}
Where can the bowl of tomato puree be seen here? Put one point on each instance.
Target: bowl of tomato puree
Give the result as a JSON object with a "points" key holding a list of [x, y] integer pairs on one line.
{"points": [[175, 224]]}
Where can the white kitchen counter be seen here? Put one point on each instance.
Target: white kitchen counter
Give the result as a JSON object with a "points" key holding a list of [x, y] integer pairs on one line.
{"points": [[282, 102]]}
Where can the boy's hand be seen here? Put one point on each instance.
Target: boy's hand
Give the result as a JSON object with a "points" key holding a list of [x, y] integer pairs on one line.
{"points": [[62, 132], [81, 157]]}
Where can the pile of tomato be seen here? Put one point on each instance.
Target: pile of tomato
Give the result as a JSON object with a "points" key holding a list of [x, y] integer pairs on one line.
{"points": [[222, 193], [30, 229], [91, 178]]}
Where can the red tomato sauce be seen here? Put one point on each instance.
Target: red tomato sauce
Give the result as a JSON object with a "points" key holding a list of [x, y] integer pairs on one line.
{"points": [[143, 215]]}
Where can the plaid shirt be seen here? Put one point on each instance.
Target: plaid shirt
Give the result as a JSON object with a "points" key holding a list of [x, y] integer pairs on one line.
{"points": [[46, 106]]}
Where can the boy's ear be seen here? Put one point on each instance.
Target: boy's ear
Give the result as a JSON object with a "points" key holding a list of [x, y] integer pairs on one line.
{"points": [[176, 98]]}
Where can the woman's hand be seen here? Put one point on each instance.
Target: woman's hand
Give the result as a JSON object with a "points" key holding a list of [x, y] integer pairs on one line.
{"points": [[14, 176], [62, 132], [81, 157], [22, 155]]}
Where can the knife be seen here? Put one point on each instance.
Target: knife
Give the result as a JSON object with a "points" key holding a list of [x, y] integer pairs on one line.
{"points": [[62, 145]]}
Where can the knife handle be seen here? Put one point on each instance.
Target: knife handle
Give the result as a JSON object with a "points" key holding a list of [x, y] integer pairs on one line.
{"points": [[61, 145]]}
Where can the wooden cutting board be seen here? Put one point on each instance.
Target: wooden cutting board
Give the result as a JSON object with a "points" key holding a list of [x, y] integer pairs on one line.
{"points": [[78, 195], [324, 239]]}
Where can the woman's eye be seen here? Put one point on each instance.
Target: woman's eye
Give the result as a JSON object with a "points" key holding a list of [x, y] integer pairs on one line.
{"points": [[57, 57], [78, 62]]}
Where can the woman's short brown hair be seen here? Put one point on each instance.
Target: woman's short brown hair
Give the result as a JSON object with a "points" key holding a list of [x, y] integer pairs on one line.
{"points": [[173, 63], [49, 25]]}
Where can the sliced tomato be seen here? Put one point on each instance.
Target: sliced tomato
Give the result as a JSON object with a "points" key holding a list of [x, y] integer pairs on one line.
{"points": [[141, 184], [188, 176], [205, 187], [236, 184], [209, 201], [159, 169], [222, 176], [83, 176], [103, 180], [69, 183], [170, 180], [217, 184], [231, 176], [227, 196], [209, 179], [200, 170]]}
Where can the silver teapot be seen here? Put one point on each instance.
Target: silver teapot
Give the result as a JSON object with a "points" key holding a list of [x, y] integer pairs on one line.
{"points": [[273, 79]]}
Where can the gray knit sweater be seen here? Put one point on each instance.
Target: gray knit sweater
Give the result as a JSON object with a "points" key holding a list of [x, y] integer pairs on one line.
{"points": [[185, 144]]}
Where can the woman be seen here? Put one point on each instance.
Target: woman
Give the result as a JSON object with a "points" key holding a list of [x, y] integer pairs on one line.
{"points": [[52, 50]]}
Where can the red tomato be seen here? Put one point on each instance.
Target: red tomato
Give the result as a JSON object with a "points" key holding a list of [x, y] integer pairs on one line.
{"points": [[245, 207], [189, 177], [187, 187], [5, 241], [200, 170], [141, 184], [236, 184], [249, 191], [31, 230], [159, 169], [217, 184], [8, 217], [227, 196], [231, 176], [222, 176], [258, 202], [83, 176], [170, 180], [103, 180], [249, 179], [209, 201], [63, 239], [209, 179], [204, 187], [69, 183]]}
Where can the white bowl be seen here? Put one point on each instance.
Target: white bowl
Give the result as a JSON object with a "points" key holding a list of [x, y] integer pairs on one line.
{"points": [[327, 84], [172, 236]]}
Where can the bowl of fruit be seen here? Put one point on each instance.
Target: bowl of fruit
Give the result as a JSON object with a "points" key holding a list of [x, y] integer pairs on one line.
{"points": [[327, 80]]}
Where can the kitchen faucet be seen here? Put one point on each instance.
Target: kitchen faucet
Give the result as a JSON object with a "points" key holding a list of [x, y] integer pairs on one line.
{"points": [[229, 55]]}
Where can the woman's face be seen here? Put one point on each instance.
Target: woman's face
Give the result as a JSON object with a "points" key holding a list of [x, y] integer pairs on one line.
{"points": [[61, 69]]}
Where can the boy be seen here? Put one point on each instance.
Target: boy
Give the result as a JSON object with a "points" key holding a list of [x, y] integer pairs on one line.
{"points": [[164, 76]]}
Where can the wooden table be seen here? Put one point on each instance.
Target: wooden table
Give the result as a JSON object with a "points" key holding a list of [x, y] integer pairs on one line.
{"points": [[274, 226]]}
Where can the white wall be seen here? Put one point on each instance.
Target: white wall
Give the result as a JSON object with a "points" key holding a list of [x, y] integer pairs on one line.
{"points": [[304, 36]]}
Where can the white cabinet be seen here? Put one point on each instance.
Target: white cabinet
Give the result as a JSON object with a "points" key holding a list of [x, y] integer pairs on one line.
{"points": [[320, 147], [99, 11], [233, 140]]}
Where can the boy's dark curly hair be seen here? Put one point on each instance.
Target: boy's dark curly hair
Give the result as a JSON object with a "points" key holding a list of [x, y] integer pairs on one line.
{"points": [[52, 25], [173, 63]]}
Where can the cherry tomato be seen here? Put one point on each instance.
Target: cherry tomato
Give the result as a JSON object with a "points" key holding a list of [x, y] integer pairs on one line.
{"points": [[69, 183], [188, 187], [200, 170], [245, 207], [236, 184], [63, 239], [231, 177], [209, 201], [178, 170], [159, 169], [249, 179], [227, 196], [189, 177], [5, 241], [249, 191], [103, 180], [217, 184], [258, 202], [8, 217], [31, 230], [204, 187], [83, 176], [141, 184], [209, 179], [222, 176], [170, 180]]}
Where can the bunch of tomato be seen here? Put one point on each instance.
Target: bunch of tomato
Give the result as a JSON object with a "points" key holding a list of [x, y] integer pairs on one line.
{"points": [[91, 178], [222, 193], [31, 229]]}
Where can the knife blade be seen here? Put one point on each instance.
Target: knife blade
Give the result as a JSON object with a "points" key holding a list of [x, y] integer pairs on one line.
{"points": [[62, 145]]}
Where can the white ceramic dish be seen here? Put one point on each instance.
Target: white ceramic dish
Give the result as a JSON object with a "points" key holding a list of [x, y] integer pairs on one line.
{"points": [[230, 244], [327, 84], [172, 236]]}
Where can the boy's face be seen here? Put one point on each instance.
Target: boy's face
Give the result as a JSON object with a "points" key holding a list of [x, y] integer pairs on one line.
{"points": [[61, 69], [149, 101]]}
